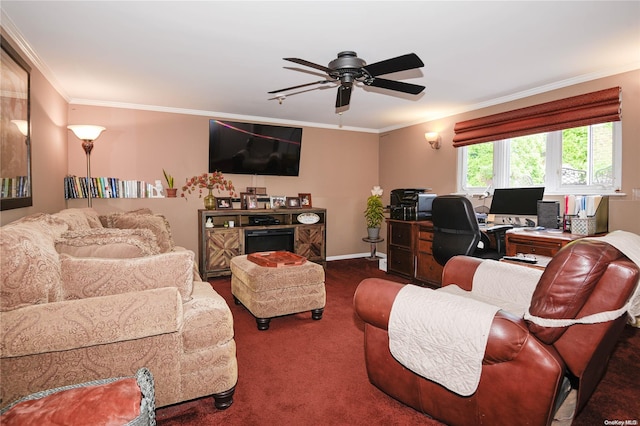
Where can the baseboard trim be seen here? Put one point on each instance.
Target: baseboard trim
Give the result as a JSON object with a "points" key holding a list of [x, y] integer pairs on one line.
{"points": [[354, 256]]}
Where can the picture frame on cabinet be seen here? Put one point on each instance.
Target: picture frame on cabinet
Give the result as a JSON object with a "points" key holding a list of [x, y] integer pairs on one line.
{"points": [[249, 201], [277, 201], [305, 200], [293, 202], [224, 203]]}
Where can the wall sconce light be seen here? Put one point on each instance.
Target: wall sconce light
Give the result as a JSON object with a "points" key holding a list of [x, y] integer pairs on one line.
{"points": [[87, 134], [433, 138]]}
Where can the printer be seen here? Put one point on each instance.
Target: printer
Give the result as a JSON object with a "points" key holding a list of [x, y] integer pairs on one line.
{"points": [[411, 204]]}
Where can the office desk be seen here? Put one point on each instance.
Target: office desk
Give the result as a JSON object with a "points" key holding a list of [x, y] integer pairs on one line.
{"points": [[543, 243]]}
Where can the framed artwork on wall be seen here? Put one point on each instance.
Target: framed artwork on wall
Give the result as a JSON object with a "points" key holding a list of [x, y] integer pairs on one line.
{"points": [[305, 200], [15, 140]]}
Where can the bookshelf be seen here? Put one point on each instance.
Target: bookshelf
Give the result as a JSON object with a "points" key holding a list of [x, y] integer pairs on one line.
{"points": [[14, 187], [106, 187]]}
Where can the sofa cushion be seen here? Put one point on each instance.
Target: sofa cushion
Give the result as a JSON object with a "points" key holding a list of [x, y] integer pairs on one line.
{"points": [[91, 277], [158, 224], [72, 324], [29, 266], [79, 218], [108, 243], [567, 283], [46, 223], [107, 220], [93, 218]]}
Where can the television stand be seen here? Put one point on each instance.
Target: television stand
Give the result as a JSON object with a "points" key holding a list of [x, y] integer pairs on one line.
{"points": [[258, 228]]}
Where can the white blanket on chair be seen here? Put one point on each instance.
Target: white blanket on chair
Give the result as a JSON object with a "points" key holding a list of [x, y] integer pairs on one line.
{"points": [[440, 336], [629, 244]]}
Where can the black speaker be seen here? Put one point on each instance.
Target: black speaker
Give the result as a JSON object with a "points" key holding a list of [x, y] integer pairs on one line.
{"points": [[548, 213]]}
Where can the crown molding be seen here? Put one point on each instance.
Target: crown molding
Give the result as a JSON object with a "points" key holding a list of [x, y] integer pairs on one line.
{"points": [[524, 94], [21, 43], [216, 114]]}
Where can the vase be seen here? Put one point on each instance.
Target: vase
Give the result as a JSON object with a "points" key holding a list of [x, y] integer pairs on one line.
{"points": [[373, 233], [210, 201], [172, 192]]}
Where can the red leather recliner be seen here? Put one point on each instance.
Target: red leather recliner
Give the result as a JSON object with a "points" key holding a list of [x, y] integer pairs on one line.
{"points": [[524, 364]]}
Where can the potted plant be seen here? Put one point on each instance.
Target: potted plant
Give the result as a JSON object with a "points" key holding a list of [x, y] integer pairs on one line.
{"points": [[171, 190], [374, 213]]}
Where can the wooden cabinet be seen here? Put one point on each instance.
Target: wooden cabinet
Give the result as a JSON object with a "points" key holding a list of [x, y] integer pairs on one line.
{"points": [[400, 255], [427, 269], [221, 246], [409, 251], [542, 243], [310, 242], [219, 243]]}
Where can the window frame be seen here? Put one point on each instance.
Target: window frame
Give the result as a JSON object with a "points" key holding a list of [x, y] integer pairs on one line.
{"points": [[553, 167]]}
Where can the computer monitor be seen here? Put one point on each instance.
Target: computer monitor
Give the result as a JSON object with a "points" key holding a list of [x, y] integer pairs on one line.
{"points": [[516, 203]]}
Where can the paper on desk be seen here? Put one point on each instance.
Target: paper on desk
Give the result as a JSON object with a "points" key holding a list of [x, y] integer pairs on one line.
{"points": [[576, 204]]}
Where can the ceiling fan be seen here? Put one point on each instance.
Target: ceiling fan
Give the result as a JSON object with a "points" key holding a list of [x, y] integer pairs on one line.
{"points": [[347, 68]]}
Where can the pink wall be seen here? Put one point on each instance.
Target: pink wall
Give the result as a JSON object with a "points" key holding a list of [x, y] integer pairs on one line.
{"points": [[408, 161], [48, 146], [337, 167]]}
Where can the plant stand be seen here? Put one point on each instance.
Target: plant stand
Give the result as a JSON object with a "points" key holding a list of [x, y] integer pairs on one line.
{"points": [[373, 242]]}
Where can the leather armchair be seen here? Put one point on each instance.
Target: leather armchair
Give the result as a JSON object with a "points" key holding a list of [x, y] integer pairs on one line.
{"points": [[524, 365]]}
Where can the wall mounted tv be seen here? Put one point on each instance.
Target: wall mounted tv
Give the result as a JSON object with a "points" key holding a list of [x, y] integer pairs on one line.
{"points": [[255, 149]]}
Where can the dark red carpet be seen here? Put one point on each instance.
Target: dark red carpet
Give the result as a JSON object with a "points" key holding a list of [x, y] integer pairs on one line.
{"points": [[302, 371]]}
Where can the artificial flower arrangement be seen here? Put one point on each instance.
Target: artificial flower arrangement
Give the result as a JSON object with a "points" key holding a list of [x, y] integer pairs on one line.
{"points": [[209, 181]]}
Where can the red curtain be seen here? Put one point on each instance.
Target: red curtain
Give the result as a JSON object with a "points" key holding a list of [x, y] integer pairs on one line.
{"points": [[582, 110]]}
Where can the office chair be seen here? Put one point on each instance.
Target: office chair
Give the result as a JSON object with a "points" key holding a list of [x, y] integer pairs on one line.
{"points": [[456, 231]]}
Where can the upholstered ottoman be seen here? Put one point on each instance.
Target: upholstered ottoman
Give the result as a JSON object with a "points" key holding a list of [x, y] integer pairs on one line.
{"points": [[269, 292]]}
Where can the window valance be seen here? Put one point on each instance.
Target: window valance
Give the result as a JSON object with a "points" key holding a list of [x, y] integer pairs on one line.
{"points": [[582, 110]]}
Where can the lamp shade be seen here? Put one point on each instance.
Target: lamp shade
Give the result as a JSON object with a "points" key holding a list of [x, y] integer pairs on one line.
{"points": [[431, 136], [22, 125], [86, 132]]}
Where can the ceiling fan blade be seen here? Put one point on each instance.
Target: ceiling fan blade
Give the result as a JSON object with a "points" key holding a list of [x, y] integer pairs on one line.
{"points": [[398, 86], [400, 63], [309, 64], [301, 85], [344, 96]]}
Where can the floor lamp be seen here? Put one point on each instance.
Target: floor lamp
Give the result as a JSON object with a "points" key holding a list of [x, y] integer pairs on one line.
{"points": [[87, 133]]}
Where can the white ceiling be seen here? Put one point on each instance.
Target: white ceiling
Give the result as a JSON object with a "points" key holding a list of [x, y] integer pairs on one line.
{"points": [[220, 58]]}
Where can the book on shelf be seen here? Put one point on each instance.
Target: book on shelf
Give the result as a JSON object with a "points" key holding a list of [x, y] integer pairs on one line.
{"points": [[14, 187], [104, 187]]}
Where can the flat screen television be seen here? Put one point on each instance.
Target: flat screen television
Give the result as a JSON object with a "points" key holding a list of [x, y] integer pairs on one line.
{"points": [[516, 201], [255, 149]]}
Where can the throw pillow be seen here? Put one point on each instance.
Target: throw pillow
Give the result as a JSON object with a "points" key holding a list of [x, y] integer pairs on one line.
{"points": [[109, 243], [92, 277], [158, 224], [29, 267], [74, 217]]}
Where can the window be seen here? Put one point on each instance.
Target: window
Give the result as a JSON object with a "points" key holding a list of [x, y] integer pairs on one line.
{"points": [[580, 160]]}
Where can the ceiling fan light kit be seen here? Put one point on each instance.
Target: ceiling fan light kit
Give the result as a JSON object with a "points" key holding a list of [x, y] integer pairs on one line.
{"points": [[348, 69]]}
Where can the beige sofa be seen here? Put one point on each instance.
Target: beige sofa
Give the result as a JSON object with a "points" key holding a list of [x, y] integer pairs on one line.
{"points": [[86, 297]]}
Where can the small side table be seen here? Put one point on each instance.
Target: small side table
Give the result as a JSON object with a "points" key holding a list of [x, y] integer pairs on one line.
{"points": [[373, 242]]}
